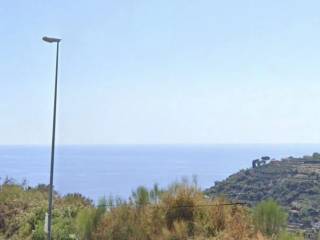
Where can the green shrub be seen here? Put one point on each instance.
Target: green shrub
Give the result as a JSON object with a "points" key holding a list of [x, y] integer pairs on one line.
{"points": [[285, 235], [269, 218]]}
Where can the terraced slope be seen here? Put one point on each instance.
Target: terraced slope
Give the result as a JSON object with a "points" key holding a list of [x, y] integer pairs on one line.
{"points": [[293, 182]]}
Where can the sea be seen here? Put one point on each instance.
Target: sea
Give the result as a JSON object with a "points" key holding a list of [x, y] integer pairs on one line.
{"points": [[103, 170]]}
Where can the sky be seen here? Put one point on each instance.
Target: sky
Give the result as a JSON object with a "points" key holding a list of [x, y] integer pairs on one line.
{"points": [[161, 72]]}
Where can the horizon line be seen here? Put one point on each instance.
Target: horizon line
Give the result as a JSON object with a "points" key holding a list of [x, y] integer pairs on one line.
{"points": [[153, 144]]}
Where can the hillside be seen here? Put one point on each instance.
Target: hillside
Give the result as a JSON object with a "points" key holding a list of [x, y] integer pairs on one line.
{"points": [[292, 182]]}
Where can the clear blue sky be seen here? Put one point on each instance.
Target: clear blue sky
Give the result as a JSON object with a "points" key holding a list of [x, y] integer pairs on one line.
{"points": [[170, 71]]}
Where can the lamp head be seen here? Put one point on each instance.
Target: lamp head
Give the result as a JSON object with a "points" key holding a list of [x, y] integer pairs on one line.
{"points": [[51, 40]]}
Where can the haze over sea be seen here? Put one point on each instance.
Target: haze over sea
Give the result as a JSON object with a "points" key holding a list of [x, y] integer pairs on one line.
{"points": [[101, 170]]}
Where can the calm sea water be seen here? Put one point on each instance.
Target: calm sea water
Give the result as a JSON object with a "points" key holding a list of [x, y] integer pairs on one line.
{"points": [[96, 171]]}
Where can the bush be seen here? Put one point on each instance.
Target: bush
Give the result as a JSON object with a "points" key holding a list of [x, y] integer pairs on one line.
{"points": [[284, 235], [269, 218], [88, 219]]}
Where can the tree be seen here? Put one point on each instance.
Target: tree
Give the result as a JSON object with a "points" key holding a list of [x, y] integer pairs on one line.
{"points": [[269, 218], [141, 196], [155, 194]]}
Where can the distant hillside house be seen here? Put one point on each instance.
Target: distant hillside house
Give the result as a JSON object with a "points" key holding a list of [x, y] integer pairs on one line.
{"points": [[260, 162]]}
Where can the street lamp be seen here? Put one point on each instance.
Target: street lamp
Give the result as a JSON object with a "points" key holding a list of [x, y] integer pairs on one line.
{"points": [[57, 41]]}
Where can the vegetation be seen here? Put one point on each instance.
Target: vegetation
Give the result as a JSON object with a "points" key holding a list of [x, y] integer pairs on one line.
{"points": [[269, 218], [292, 182], [22, 212], [180, 212]]}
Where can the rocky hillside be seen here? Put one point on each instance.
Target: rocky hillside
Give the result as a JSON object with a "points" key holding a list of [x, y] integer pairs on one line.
{"points": [[293, 182]]}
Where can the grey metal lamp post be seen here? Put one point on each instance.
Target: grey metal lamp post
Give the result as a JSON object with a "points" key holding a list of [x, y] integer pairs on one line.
{"points": [[57, 41]]}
